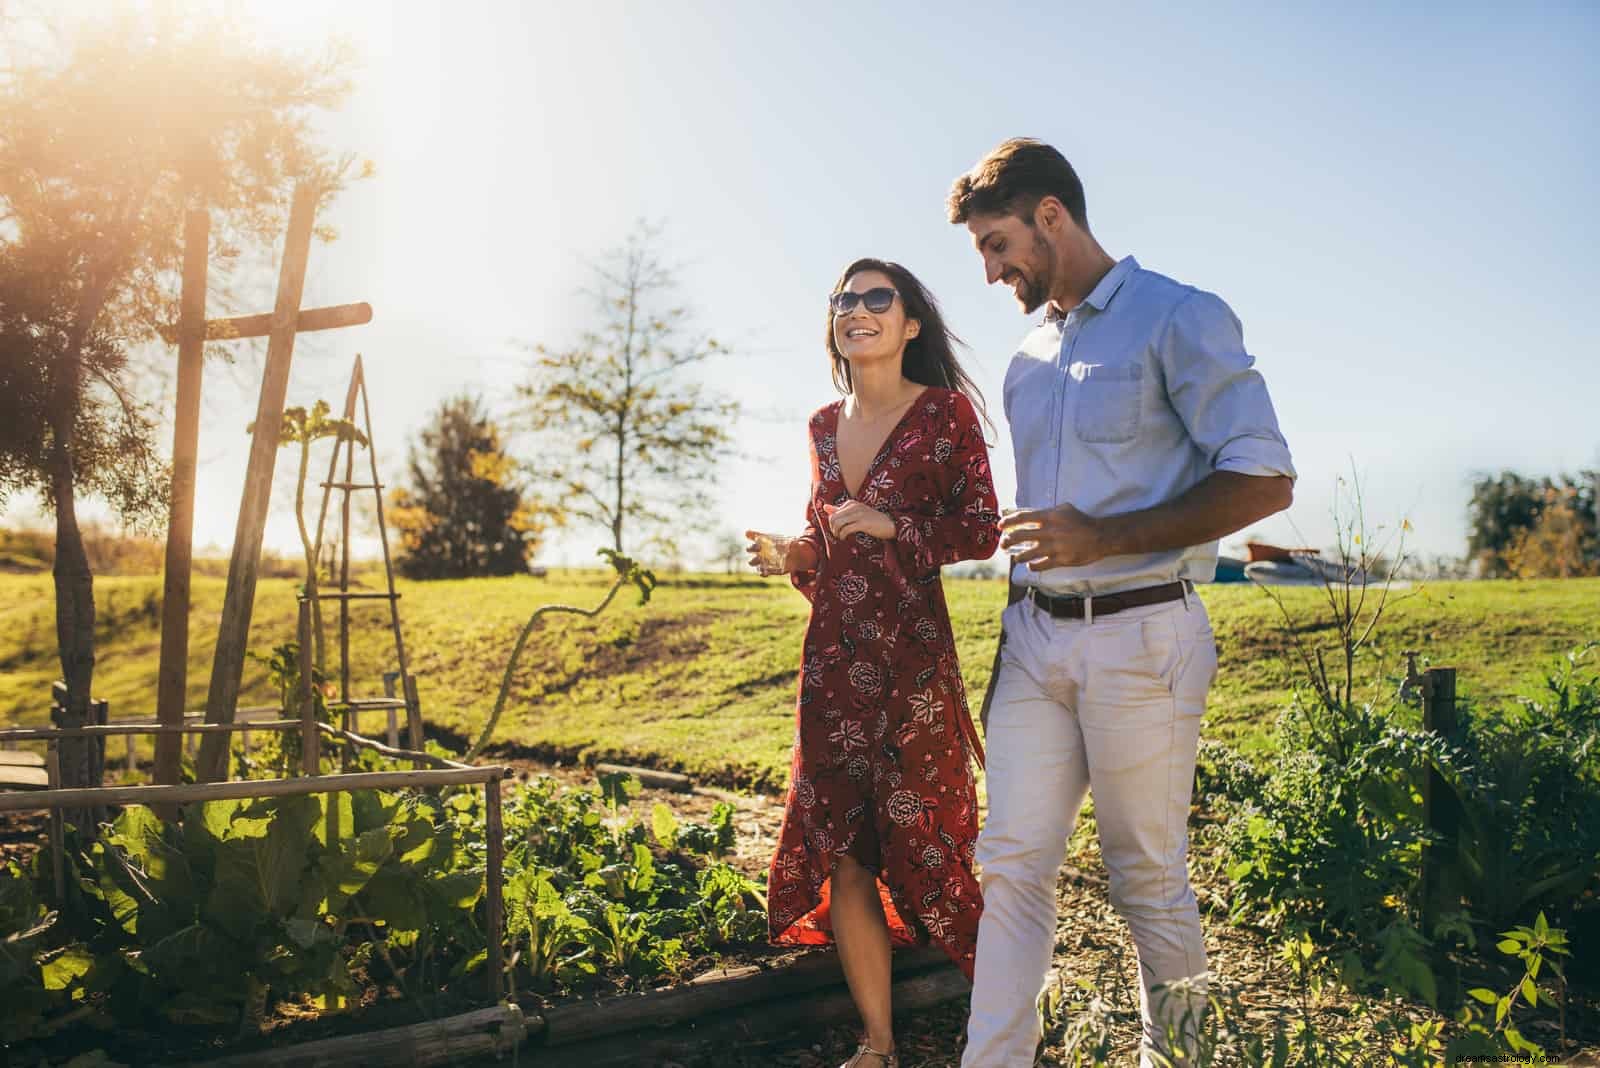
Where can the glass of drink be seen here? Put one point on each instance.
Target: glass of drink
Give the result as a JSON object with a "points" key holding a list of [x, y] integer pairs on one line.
{"points": [[772, 553]]}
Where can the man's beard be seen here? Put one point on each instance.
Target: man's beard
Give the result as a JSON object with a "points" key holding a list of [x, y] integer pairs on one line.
{"points": [[1036, 290]]}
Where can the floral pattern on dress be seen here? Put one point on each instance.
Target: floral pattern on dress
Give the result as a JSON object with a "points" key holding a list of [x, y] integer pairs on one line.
{"points": [[883, 733]]}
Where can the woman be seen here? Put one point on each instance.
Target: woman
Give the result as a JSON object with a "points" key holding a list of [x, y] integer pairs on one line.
{"points": [[881, 815]]}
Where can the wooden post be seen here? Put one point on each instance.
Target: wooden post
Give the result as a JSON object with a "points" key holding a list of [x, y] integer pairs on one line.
{"points": [[413, 714], [413, 705], [389, 678], [58, 849], [493, 906], [174, 673], [310, 737], [1441, 809], [99, 716], [239, 599]]}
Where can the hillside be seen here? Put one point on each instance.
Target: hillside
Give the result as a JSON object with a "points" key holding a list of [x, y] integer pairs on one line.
{"points": [[702, 679]]}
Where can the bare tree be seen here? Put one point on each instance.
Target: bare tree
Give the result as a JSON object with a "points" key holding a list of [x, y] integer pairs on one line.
{"points": [[633, 439]]}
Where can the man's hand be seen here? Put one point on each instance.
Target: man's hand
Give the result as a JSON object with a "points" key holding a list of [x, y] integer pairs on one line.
{"points": [[1218, 505], [853, 516], [1053, 537]]}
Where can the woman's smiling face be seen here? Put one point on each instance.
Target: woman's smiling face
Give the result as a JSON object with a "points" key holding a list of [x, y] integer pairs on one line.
{"points": [[862, 335]]}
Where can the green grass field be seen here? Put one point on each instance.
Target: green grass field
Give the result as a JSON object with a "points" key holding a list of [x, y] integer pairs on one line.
{"points": [[702, 679]]}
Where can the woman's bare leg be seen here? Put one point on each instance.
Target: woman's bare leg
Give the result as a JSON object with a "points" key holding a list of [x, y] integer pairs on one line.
{"points": [[862, 934]]}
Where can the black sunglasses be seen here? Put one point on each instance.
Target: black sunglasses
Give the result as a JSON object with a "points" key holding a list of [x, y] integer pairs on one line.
{"points": [[878, 300]]}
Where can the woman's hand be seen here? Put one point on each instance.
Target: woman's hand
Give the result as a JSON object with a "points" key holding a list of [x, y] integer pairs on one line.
{"points": [[854, 517], [778, 554]]}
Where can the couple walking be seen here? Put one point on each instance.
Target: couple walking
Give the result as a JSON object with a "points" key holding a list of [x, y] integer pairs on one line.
{"points": [[1142, 435]]}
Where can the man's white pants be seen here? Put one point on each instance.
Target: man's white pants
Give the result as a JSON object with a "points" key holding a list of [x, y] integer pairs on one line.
{"points": [[1112, 705]]}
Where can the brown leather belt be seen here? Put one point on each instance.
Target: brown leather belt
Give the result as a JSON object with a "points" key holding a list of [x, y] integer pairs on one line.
{"points": [[1073, 607]]}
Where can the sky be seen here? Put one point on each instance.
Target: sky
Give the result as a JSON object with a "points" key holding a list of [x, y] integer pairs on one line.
{"points": [[1396, 200]]}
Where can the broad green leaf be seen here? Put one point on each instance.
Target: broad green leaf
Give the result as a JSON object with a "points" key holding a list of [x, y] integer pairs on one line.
{"points": [[337, 814], [1487, 997], [189, 955], [1530, 991], [391, 896], [1509, 946], [1502, 1007], [1239, 870], [458, 890], [70, 965], [258, 874], [306, 933], [664, 824], [345, 874]]}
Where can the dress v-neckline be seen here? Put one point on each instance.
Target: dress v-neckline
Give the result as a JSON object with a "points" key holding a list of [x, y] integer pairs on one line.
{"points": [[883, 449]]}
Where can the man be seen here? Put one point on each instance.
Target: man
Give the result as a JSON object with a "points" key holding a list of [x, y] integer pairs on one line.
{"points": [[1142, 435]]}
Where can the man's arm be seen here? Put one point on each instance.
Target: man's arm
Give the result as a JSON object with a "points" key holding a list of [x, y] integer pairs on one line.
{"points": [[1218, 505]]}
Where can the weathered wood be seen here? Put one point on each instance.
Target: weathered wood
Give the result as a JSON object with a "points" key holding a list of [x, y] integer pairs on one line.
{"points": [[711, 995], [248, 326], [239, 596], [413, 707], [749, 1026], [409, 690], [58, 850], [361, 742], [41, 734], [453, 1040], [494, 836], [173, 677], [660, 780], [16, 758], [321, 596], [250, 788], [310, 737], [389, 679], [14, 777]]}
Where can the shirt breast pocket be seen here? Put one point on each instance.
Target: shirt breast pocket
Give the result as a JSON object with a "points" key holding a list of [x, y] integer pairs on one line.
{"points": [[1110, 402]]}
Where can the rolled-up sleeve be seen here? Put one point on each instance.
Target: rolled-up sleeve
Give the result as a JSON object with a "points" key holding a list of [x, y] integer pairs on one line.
{"points": [[1217, 392]]}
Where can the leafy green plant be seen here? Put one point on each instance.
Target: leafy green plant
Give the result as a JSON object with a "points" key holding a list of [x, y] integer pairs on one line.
{"points": [[303, 428]]}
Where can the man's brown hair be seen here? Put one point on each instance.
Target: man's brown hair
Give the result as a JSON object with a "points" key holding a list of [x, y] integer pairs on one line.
{"points": [[1012, 180]]}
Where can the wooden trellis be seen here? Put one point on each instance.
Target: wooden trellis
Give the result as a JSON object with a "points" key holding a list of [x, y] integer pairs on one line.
{"points": [[351, 707], [192, 332]]}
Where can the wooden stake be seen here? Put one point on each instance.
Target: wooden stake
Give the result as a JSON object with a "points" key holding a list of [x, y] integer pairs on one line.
{"points": [[42, 800], [309, 319], [174, 673], [310, 738], [413, 713], [238, 601], [389, 678], [58, 849], [493, 906]]}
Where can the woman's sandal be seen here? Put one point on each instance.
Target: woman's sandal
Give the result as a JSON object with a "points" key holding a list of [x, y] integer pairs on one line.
{"points": [[887, 1060]]}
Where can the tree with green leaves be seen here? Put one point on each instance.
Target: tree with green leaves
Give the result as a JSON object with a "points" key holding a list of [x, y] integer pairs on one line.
{"points": [[633, 438], [111, 129], [467, 511], [1507, 507]]}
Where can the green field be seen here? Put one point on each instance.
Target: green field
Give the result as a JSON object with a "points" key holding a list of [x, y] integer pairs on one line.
{"points": [[702, 679]]}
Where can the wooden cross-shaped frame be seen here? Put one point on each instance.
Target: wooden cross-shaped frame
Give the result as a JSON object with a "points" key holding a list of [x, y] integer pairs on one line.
{"points": [[193, 331]]}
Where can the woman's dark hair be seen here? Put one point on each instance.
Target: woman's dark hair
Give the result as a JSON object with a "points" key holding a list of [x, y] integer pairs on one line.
{"points": [[930, 357]]}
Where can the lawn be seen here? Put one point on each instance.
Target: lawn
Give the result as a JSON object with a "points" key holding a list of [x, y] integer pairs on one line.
{"points": [[702, 679]]}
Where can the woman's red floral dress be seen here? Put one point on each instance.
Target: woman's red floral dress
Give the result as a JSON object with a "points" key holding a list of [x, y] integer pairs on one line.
{"points": [[882, 729]]}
